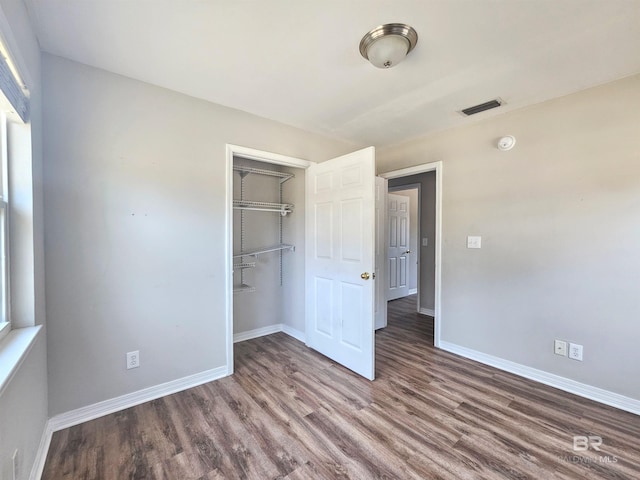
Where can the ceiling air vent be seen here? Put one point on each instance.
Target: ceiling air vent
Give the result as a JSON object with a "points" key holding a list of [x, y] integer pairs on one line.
{"points": [[482, 107]]}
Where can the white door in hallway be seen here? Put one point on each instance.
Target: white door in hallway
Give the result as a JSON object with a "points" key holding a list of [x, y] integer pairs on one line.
{"points": [[398, 248], [340, 236]]}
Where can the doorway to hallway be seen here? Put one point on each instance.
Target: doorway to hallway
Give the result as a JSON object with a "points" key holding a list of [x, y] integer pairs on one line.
{"points": [[428, 245]]}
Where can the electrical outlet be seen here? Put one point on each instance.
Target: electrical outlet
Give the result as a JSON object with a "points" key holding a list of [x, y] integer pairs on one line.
{"points": [[575, 351], [133, 359], [560, 347], [16, 464]]}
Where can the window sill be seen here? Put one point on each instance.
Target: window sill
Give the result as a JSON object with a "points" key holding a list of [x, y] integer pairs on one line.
{"points": [[14, 348]]}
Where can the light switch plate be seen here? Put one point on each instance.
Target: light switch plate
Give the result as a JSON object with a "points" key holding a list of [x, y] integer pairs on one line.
{"points": [[425, 242], [474, 242]]}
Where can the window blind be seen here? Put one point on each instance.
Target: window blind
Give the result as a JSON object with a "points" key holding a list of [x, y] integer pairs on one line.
{"points": [[13, 91]]}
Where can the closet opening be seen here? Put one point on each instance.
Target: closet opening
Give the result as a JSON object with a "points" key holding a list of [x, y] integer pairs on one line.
{"points": [[266, 228]]}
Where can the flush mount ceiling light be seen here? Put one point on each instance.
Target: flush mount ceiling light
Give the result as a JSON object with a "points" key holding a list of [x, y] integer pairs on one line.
{"points": [[386, 45]]}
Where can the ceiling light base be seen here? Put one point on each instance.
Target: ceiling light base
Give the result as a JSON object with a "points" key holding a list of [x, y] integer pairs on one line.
{"points": [[387, 45]]}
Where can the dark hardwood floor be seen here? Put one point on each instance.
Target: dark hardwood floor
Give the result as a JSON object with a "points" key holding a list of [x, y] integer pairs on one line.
{"points": [[290, 413]]}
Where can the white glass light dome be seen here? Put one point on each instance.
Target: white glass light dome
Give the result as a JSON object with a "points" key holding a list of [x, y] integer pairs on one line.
{"points": [[387, 45]]}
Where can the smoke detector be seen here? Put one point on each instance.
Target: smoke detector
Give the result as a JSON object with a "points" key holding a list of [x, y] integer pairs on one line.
{"points": [[506, 143]]}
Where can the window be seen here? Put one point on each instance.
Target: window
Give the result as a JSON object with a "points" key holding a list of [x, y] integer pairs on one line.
{"points": [[14, 107], [4, 230]]}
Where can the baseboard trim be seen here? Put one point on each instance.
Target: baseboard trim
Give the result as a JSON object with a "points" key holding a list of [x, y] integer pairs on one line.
{"points": [[295, 333], [258, 332], [91, 412], [263, 331], [581, 389], [427, 311], [41, 454]]}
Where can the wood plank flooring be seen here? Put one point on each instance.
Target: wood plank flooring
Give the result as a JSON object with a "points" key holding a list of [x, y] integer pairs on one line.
{"points": [[290, 413]]}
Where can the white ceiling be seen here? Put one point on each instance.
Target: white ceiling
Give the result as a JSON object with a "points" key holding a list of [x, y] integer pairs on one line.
{"points": [[298, 61]]}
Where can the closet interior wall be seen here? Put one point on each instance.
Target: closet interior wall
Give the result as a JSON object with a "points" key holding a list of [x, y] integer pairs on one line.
{"points": [[278, 277], [293, 291]]}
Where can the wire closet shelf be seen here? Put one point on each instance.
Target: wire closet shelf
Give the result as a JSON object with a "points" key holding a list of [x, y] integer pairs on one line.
{"points": [[240, 263], [282, 208], [271, 173]]}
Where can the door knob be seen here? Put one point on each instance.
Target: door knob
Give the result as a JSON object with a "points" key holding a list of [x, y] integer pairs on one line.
{"points": [[365, 276], [408, 251]]}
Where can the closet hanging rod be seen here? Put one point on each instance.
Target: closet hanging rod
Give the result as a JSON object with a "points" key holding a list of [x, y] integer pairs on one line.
{"points": [[255, 253], [282, 175], [282, 208]]}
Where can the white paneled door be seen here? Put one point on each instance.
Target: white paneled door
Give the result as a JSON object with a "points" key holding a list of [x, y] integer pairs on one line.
{"points": [[398, 246], [340, 235]]}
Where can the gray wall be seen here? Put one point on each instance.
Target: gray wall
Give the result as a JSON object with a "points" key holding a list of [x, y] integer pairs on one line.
{"points": [[23, 403], [559, 217], [135, 191], [428, 229]]}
